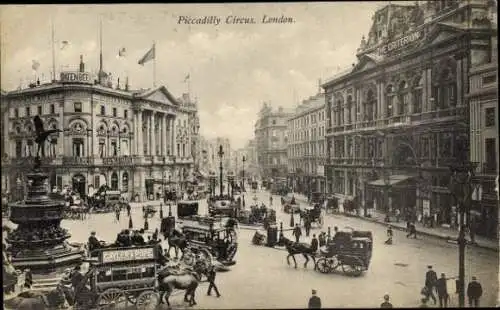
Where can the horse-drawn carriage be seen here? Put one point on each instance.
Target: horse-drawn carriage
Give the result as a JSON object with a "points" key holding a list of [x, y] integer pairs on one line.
{"points": [[290, 205], [350, 251], [75, 208], [149, 211], [208, 240], [120, 277], [187, 208], [312, 214], [221, 207], [106, 200]]}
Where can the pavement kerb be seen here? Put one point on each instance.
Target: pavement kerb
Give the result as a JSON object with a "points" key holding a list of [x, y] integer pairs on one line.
{"points": [[424, 233]]}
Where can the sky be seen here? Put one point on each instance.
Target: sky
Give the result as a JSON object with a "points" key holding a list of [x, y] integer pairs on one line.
{"points": [[233, 69]]}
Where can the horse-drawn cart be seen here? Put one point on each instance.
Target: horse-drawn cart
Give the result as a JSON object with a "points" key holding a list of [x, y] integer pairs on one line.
{"points": [[290, 205], [350, 251], [313, 214], [120, 277]]}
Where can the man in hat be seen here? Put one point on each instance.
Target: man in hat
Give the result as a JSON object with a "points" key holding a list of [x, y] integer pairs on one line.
{"points": [[442, 291], [314, 301], [28, 278], [211, 279], [76, 277], [430, 282], [386, 303], [297, 232], [474, 292], [93, 242]]}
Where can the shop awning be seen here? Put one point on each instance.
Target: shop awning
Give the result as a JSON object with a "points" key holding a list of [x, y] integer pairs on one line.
{"points": [[393, 179]]}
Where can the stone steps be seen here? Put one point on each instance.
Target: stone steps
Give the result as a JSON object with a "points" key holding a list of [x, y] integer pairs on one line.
{"points": [[43, 284]]}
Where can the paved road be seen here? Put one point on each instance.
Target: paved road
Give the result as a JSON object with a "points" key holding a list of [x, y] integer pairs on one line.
{"points": [[262, 279]]}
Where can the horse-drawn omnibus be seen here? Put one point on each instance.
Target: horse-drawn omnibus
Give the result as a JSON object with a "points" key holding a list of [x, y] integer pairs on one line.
{"points": [[120, 277]]}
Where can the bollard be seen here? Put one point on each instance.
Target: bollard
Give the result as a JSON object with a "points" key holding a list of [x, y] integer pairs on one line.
{"points": [[329, 233], [130, 225], [146, 224], [161, 211]]}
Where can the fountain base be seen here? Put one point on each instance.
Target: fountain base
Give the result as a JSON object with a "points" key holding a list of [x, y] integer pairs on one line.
{"points": [[49, 259]]}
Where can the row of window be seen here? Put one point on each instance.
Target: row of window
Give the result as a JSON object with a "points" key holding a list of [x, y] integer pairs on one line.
{"points": [[77, 108], [313, 134], [308, 119], [302, 150]]}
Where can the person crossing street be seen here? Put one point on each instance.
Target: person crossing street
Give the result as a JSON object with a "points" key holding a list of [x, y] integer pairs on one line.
{"points": [[297, 232], [430, 283], [211, 279]]}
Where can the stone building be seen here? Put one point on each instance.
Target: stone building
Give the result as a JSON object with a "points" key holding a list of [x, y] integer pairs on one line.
{"points": [[398, 117], [307, 145], [271, 139], [133, 141], [251, 164], [483, 103]]}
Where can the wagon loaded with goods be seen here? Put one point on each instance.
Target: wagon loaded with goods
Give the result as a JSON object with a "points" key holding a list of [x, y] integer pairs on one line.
{"points": [[349, 251]]}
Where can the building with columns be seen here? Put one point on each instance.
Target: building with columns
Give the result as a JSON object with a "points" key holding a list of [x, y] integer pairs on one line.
{"points": [[398, 117], [133, 141], [484, 142], [307, 145], [271, 141]]}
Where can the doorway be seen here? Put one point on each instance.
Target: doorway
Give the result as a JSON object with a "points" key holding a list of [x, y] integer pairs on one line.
{"points": [[79, 184]]}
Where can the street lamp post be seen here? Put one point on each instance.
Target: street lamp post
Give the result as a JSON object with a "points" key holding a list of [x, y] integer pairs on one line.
{"points": [[221, 154], [89, 130], [461, 189], [243, 168]]}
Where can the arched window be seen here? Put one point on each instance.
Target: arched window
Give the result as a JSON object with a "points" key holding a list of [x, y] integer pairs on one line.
{"points": [[417, 95], [125, 182], [114, 181], [339, 110], [349, 109], [389, 95], [444, 87], [403, 98]]}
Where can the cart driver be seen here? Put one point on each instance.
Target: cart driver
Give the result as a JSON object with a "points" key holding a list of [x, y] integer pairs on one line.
{"points": [[93, 242]]}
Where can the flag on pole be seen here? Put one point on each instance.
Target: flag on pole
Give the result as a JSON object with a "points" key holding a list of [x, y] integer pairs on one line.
{"points": [[35, 65], [64, 44], [150, 55], [186, 78], [122, 52]]}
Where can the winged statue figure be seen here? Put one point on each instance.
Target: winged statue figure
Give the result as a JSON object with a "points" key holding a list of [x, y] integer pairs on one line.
{"points": [[41, 133]]}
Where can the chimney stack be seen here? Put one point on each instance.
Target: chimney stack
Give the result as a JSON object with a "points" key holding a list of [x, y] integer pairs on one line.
{"points": [[82, 65]]}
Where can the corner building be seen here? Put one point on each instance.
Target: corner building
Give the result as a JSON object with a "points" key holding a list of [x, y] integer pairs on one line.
{"points": [[133, 141], [398, 117]]}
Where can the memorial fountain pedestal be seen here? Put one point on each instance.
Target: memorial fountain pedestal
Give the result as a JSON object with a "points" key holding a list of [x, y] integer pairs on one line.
{"points": [[39, 243]]}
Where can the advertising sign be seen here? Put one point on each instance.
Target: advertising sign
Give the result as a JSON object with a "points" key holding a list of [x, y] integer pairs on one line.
{"points": [[400, 43], [125, 255], [76, 77]]}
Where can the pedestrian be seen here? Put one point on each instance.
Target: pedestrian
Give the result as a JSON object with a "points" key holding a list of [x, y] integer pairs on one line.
{"points": [[155, 234], [314, 301], [412, 232], [76, 276], [117, 212], [128, 209], [271, 200], [386, 303], [322, 239], [398, 214], [442, 291], [430, 282], [307, 225], [314, 244], [474, 292], [472, 231], [211, 279], [28, 278], [297, 232], [389, 235]]}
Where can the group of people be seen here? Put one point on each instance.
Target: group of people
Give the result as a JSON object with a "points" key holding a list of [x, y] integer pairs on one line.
{"points": [[432, 282], [47, 232]]}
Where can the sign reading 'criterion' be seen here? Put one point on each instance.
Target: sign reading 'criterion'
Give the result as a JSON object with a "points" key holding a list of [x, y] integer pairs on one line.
{"points": [[400, 43]]}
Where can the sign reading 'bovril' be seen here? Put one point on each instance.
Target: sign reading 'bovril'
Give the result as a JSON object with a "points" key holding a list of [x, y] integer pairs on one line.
{"points": [[75, 77], [400, 43]]}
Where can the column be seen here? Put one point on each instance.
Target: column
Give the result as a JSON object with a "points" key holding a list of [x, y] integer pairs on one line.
{"points": [[152, 136], [459, 88], [139, 137], [61, 126], [360, 104], [132, 143], [173, 147], [164, 135], [381, 103]]}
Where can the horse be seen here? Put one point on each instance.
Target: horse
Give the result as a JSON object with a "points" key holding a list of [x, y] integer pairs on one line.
{"points": [[188, 281], [294, 248], [178, 241], [40, 300]]}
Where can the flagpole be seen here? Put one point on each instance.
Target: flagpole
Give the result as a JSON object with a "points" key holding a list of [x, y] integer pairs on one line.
{"points": [[53, 53], [154, 64]]}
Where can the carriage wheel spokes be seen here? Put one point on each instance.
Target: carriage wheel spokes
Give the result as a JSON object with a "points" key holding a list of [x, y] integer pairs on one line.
{"points": [[112, 298], [323, 265], [147, 300]]}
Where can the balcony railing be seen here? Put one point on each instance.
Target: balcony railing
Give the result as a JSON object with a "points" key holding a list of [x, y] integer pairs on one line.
{"points": [[76, 161], [29, 161], [120, 160]]}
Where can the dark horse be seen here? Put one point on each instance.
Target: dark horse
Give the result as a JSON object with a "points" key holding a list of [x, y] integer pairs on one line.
{"points": [[178, 241], [187, 280], [294, 248]]}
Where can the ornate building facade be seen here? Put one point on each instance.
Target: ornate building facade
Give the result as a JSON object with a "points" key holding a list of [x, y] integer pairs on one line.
{"points": [[399, 117], [307, 145], [133, 141], [271, 139]]}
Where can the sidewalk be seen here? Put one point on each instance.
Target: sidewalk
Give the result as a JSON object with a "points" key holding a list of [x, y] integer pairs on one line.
{"points": [[449, 235]]}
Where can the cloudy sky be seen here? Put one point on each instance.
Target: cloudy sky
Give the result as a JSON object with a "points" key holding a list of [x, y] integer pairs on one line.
{"points": [[233, 68]]}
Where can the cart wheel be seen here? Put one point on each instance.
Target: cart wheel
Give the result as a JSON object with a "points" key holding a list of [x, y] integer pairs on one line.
{"points": [[323, 265], [147, 300], [112, 298], [352, 266]]}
